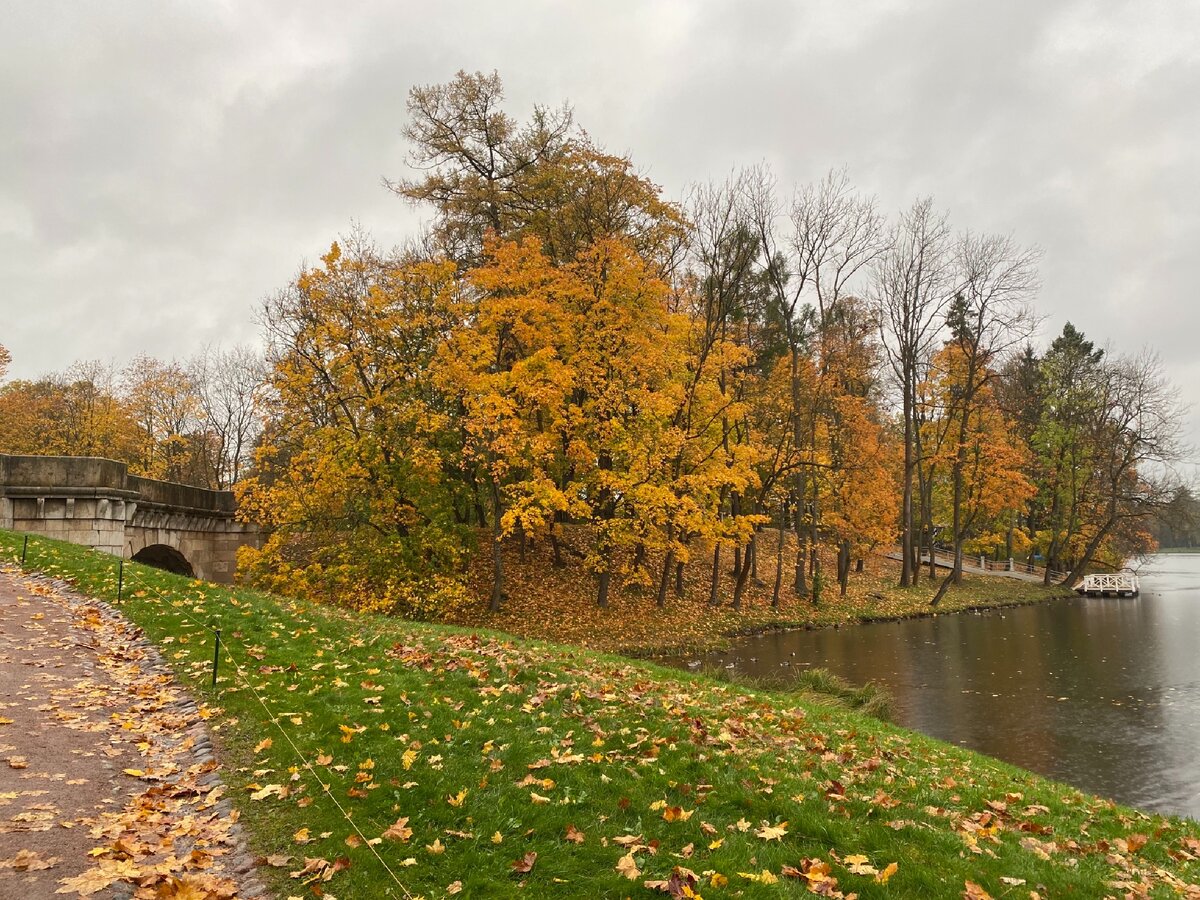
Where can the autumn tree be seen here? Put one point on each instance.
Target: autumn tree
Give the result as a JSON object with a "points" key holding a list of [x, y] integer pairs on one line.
{"points": [[73, 413], [1071, 393], [982, 462], [356, 485], [1137, 443], [510, 373], [621, 394], [813, 251], [229, 391], [165, 404], [988, 317], [910, 289], [480, 164], [485, 172]]}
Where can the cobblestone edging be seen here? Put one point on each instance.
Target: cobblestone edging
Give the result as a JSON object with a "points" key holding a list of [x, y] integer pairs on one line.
{"points": [[239, 862]]}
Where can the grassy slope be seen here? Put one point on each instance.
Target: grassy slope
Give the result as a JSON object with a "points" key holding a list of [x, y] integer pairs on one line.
{"points": [[487, 715], [559, 604]]}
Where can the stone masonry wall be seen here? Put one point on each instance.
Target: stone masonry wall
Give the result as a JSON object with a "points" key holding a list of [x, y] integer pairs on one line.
{"points": [[97, 503]]}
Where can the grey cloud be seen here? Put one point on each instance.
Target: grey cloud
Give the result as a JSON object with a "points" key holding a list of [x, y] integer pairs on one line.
{"points": [[166, 165]]}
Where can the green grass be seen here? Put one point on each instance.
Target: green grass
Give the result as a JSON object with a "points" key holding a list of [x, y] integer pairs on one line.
{"points": [[815, 685], [484, 713]]}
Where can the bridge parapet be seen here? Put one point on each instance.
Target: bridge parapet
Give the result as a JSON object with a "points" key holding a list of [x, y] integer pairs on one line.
{"points": [[96, 502]]}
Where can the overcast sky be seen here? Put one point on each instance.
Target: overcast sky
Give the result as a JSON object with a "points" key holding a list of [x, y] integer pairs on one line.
{"points": [[164, 166]]}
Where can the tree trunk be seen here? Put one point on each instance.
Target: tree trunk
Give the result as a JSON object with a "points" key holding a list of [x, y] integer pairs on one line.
{"points": [[713, 595], [906, 508], [1086, 559], [942, 588], [735, 509], [497, 558], [602, 589], [665, 580], [554, 545], [844, 567], [779, 556], [679, 579], [739, 587], [956, 572]]}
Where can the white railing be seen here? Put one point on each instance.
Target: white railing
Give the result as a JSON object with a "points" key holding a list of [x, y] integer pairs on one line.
{"points": [[1118, 583], [983, 564]]}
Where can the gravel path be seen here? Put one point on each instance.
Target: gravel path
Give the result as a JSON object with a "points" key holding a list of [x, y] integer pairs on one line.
{"points": [[108, 787]]}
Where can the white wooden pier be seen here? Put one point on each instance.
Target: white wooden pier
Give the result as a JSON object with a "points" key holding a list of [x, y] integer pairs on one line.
{"points": [[1115, 584]]}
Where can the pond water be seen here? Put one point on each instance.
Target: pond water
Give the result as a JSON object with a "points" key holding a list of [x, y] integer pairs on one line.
{"points": [[1103, 694]]}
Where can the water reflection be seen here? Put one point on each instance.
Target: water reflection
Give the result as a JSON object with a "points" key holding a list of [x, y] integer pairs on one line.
{"points": [[1101, 693]]}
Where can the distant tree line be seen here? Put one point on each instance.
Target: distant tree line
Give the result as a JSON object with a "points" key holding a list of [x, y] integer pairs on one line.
{"points": [[194, 422], [565, 356]]}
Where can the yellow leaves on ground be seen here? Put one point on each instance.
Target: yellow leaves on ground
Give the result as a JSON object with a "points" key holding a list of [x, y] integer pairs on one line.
{"points": [[28, 861], [271, 790], [399, 830], [772, 832], [763, 877], [628, 867]]}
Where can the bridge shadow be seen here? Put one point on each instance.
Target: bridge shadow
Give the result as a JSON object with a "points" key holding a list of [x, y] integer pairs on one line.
{"points": [[160, 556]]}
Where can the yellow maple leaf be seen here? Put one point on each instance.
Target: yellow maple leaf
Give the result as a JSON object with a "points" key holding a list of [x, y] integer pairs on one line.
{"points": [[773, 832], [763, 877], [627, 867], [399, 830]]}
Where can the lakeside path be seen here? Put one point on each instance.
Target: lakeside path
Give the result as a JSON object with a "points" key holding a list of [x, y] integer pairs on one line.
{"points": [[108, 788]]}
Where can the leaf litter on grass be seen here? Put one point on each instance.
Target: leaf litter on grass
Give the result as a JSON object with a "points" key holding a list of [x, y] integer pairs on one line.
{"points": [[645, 780]]}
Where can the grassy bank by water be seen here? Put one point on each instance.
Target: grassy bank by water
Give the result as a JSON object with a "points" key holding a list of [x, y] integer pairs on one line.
{"points": [[375, 758], [558, 604]]}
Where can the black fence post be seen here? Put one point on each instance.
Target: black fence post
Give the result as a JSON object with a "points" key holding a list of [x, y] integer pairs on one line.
{"points": [[120, 578], [24, 548], [216, 656]]}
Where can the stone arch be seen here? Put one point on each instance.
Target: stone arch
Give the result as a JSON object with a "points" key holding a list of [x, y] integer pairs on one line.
{"points": [[162, 556]]}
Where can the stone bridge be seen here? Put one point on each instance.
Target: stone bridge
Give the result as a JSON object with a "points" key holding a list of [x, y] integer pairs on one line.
{"points": [[96, 502]]}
